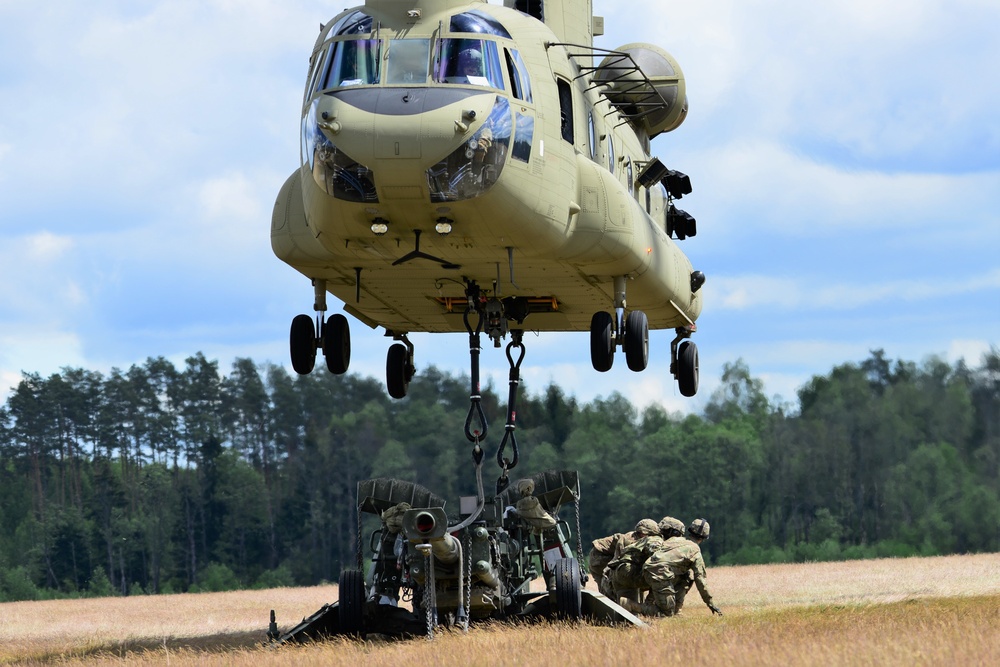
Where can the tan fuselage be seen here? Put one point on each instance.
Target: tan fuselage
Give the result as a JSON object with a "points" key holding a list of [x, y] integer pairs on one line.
{"points": [[559, 226]]}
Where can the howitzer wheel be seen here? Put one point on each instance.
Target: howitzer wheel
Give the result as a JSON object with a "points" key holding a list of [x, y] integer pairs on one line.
{"points": [[569, 600], [352, 602]]}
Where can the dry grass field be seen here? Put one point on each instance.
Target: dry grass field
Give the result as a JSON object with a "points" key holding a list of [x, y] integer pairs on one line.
{"points": [[930, 611]]}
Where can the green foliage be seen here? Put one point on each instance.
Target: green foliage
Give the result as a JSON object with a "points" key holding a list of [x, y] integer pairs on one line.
{"points": [[157, 479], [99, 585], [279, 577], [16, 584], [216, 578]]}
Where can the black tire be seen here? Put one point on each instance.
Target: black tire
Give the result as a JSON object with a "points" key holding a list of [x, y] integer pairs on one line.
{"points": [[637, 340], [687, 368], [302, 344], [397, 375], [337, 344], [569, 600], [352, 602], [602, 341]]}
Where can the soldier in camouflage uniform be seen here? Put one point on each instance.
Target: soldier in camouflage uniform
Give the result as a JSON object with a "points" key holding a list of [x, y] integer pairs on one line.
{"points": [[623, 575], [607, 548], [668, 573]]}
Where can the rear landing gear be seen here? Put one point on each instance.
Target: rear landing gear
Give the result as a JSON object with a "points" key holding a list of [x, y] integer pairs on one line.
{"points": [[684, 361], [399, 369]]}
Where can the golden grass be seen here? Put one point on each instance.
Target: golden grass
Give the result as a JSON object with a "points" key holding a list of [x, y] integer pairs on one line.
{"points": [[901, 612]]}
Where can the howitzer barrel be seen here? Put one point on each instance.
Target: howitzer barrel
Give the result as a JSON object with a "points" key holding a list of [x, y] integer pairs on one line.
{"points": [[447, 549]]}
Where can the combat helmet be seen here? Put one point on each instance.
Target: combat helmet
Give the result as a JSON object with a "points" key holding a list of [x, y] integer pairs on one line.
{"points": [[699, 528], [647, 527], [669, 526]]}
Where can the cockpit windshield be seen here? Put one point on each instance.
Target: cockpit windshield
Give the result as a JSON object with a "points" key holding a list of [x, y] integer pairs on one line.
{"points": [[470, 61], [354, 62], [407, 62]]}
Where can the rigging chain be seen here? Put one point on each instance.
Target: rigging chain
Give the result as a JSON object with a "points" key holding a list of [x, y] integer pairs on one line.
{"points": [[515, 379], [475, 395]]}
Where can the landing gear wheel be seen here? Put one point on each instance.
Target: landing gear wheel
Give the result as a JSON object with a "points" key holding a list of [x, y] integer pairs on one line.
{"points": [[337, 344], [397, 370], [302, 344], [569, 601], [687, 368], [352, 602], [637, 340], [602, 341]]}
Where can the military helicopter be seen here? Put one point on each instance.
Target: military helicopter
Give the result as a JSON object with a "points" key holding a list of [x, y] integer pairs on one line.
{"points": [[465, 161]]}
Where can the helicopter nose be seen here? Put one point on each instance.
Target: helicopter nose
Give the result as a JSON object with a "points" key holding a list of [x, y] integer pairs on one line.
{"points": [[399, 123]]}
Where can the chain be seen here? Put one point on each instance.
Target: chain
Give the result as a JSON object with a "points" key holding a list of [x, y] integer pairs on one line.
{"points": [[579, 540], [515, 380], [475, 395], [430, 599], [359, 552], [468, 578]]}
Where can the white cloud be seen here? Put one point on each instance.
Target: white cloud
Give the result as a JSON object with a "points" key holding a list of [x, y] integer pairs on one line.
{"points": [[772, 188], [34, 349], [807, 294], [972, 351]]}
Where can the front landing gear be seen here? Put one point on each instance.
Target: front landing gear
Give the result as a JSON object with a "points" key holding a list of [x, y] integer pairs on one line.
{"points": [[608, 331], [307, 335]]}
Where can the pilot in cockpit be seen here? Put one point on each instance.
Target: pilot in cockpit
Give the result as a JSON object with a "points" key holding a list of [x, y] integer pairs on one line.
{"points": [[470, 68]]}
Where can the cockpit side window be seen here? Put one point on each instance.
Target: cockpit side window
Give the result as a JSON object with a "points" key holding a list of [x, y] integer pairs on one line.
{"points": [[318, 66], [480, 22], [353, 62], [518, 75], [469, 61]]}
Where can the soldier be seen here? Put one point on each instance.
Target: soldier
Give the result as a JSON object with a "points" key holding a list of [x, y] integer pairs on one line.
{"points": [[607, 548], [623, 575], [669, 571]]}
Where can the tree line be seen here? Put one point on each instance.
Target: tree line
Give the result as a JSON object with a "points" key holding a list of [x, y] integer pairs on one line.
{"points": [[161, 479]]}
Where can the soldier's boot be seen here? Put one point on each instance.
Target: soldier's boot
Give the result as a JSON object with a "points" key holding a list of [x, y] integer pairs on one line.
{"points": [[629, 594], [644, 608], [605, 586]]}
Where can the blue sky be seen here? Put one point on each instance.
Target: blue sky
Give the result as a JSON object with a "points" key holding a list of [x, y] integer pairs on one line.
{"points": [[845, 159]]}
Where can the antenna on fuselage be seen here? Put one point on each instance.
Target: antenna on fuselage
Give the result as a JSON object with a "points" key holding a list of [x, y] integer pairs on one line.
{"points": [[417, 254]]}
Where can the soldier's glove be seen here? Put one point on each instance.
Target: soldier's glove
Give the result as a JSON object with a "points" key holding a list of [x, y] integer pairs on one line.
{"points": [[715, 609]]}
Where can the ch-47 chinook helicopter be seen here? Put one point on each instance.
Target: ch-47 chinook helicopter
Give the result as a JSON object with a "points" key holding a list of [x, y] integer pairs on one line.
{"points": [[464, 160]]}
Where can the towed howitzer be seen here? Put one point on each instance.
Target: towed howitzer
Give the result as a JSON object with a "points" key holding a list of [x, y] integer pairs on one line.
{"points": [[451, 571]]}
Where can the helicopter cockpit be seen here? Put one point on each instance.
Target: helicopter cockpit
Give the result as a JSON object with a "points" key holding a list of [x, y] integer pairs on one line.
{"points": [[474, 55]]}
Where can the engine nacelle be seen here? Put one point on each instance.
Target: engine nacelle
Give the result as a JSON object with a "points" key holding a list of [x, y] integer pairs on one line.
{"points": [[647, 85]]}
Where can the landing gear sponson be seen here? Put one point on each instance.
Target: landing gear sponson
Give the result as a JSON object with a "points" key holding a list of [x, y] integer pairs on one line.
{"points": [[631, 332]]}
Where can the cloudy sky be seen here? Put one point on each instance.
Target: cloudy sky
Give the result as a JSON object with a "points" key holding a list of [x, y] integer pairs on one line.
{"points": [[845, 159]]}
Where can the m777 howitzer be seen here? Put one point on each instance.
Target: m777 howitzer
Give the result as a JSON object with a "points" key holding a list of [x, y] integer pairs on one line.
{"points": [[451, 570]]}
